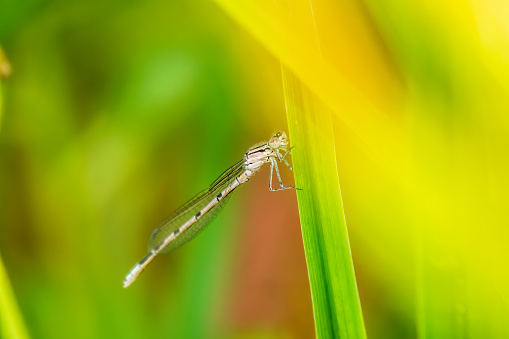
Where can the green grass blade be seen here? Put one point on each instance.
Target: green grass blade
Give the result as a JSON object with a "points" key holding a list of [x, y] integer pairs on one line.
{"points": [[4, 72], [336, 304], [11, 322]]}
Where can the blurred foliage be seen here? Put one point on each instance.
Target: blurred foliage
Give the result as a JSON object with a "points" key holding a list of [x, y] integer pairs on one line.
{"points": [[421, 139], [5, 71], [116, 112], [11, 321]]}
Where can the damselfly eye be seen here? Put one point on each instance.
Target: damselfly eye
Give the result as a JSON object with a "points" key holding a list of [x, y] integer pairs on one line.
{"points": [[279, 139], [283, 139]]}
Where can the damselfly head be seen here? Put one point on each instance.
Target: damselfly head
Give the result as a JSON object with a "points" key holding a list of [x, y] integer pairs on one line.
{"points": [[279, 139]]}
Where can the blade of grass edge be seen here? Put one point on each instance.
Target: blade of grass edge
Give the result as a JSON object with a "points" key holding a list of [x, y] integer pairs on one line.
{"points": [[336, 304], [5, 71], [11, 321]]}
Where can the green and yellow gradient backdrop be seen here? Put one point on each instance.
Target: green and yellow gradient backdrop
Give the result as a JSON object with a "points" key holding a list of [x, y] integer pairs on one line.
{"points": [[116, 112]]}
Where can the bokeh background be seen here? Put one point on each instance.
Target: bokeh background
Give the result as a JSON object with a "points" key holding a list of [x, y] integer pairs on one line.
{"points": [[117, 112]]}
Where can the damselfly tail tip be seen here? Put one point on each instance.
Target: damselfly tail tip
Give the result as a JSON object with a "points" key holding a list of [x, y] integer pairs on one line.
{"points": [[127, 282], [132, 276]]}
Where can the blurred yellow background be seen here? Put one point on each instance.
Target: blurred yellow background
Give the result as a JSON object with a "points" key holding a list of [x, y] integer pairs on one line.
{"points": [[116, 113]]}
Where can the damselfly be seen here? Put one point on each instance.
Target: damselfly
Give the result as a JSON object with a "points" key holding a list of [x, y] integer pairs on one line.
{"points": [[186, 222]]}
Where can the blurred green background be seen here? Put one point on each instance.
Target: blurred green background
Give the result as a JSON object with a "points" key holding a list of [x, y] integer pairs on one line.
{"points": [[115, 113]]}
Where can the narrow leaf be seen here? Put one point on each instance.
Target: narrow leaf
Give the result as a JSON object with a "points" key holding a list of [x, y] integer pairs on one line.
{"points": [[336, 304], [11, 321]]}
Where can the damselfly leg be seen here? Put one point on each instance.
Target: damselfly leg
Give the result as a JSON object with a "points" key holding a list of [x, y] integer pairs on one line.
{"points": [[283, 157], [273, 165]]}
